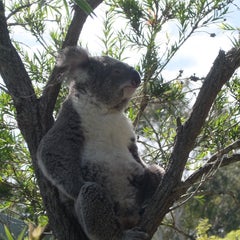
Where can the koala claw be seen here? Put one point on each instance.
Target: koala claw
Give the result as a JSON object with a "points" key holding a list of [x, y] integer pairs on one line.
{"points": [[135, 234]]}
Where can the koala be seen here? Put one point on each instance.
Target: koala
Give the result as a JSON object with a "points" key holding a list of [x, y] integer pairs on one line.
{"points": [[90, 153]]}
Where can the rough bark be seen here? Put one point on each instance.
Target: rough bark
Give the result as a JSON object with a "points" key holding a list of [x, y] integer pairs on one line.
{"points": [[171, 187], [34, 118]]}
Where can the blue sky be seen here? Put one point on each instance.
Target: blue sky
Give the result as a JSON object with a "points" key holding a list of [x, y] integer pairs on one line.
{"points": [[195, 56]]}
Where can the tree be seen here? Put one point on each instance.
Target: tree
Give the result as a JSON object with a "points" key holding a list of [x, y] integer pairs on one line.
{"points": [[204, 226], [35, 108]]}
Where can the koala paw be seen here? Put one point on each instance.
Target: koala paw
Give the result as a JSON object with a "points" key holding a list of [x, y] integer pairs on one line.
{"points": [[135, 234]]}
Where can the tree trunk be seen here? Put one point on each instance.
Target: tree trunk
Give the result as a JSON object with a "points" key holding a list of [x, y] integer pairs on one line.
{"points": [[34, 118]]}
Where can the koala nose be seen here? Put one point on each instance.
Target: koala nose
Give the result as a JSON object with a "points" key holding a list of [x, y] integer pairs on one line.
{"points": [[135, 78]]}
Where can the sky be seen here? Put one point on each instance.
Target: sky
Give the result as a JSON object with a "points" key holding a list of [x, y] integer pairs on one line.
{"points": [[195, 56]]}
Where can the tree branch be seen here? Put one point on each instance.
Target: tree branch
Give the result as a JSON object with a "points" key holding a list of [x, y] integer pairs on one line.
{"points": [[221, 162], [232, 146], [223, 68], [64, 225], [216, 161], [20, 8], [18, 84], [50, 93], [29, 116]]}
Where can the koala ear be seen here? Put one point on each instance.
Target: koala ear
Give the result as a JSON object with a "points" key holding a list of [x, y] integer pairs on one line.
{"points": [[72, 57]]}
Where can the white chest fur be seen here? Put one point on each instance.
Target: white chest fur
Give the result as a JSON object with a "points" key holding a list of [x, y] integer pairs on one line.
{"points": [[105, 132], [107, 138]]}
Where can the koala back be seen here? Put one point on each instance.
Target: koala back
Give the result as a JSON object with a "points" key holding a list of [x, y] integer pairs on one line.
{"points": [[60, 150]]}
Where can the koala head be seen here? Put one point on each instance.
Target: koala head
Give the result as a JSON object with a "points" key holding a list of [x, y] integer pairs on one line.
{"points": [[107, 81]]}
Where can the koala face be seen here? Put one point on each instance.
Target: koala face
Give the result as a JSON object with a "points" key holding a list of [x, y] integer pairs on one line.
{"points": [[107, 80]]}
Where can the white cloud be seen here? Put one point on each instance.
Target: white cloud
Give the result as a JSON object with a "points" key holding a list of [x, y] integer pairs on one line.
{"points": [[197, 55]]}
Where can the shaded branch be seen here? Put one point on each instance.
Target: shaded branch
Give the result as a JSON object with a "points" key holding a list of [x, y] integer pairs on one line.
{"points": [[50, 93], [28, 114], [209, 167], [18, 84], [18, 9], [223, 68], [232, 146], [33, 117]]}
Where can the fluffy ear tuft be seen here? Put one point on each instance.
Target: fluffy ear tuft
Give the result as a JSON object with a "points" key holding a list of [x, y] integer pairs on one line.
{"points": [[72, 57]]}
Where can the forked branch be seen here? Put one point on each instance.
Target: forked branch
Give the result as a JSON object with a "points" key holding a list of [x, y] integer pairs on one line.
{"points": [[169, 190], [49, 96]]}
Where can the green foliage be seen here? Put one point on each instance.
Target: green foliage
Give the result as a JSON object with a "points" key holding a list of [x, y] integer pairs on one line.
{"points": [[217, 202], [10, 236], [147, 20], [161, 101], [18, 188], [17, 182], [203, 228], [84, 6], [235, 40], [45, 22], [223, 124], [219, 194], [114, 44], [152, 32]]}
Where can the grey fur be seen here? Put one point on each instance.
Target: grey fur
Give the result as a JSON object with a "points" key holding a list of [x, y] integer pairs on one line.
{"points": [[90, 153]]}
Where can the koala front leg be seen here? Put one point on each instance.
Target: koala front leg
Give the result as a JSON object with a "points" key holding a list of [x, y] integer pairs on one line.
{"points": [[95, 212]]}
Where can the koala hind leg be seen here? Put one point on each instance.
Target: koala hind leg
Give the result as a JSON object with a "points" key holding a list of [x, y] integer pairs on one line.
{"points": [[95, 212]]}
